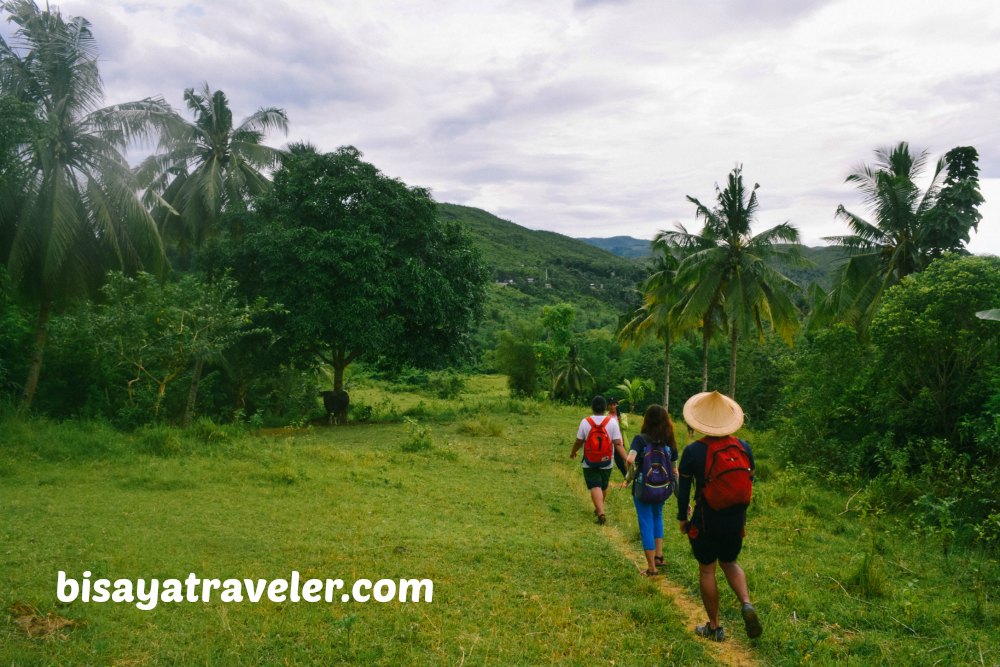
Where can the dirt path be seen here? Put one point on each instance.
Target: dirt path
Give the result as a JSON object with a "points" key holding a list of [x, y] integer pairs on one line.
{"points": [[734, 650]]}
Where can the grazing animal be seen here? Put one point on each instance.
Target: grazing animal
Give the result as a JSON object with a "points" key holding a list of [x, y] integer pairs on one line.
{"points": [[336, 403]]}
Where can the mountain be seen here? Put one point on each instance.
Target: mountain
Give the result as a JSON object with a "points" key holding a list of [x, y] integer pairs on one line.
{"points": [[623, 246], [826, 259], [547, 265]]}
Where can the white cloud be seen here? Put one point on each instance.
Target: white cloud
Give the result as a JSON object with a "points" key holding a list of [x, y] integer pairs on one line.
{"points": [[593, 117]]}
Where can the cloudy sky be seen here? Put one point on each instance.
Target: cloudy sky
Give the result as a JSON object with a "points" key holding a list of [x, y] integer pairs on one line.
{"points": [[590, 117]]}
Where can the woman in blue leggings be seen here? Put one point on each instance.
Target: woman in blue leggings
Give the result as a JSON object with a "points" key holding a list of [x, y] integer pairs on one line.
{"points": [[657, 433]]}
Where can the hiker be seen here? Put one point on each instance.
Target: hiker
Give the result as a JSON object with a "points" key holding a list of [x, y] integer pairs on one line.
{"points": [[722, 469], [650, 462], [601, 438], [622, 426]]}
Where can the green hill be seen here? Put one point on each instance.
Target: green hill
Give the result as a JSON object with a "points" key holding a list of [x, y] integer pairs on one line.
{"points": [[825, 258], [549, 266], [623, 246]]}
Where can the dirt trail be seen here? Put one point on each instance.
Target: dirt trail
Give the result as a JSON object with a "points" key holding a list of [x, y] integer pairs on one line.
{"points": [[734, 650]]}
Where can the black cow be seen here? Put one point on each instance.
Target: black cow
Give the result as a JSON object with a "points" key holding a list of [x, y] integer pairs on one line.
{"points": [[336, 403]]}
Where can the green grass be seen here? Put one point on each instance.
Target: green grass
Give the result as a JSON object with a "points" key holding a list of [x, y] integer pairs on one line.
{"points": [[521, 574], [488, 506]]}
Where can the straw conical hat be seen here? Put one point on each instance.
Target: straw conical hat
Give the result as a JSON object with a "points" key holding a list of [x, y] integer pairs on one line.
{"points": [[712, 413]]}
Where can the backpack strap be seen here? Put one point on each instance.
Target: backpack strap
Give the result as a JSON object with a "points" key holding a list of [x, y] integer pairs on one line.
{"points": [[605, 422], [590, 420]]}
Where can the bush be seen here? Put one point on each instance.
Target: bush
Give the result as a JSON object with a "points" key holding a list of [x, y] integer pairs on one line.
{"points": [[446, 384]]}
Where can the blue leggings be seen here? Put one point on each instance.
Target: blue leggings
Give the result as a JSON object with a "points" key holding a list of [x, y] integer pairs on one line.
{"points": [[650, 523]]}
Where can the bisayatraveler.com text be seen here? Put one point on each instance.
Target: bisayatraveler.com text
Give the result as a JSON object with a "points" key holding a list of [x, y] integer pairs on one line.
{"points": [[146, 594]]}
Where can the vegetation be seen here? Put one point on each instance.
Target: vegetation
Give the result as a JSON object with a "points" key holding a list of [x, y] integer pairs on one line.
{"points": [[187, 393], [223, 502], [909, 228], [728, 273], [78, 213], [361, 263], [207, 167]]}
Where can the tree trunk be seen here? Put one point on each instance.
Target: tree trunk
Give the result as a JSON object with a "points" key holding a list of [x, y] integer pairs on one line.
{"points": [[338, 373], [734, 336], [199, 364], [35, 370], [666, 377], [705, 335]]}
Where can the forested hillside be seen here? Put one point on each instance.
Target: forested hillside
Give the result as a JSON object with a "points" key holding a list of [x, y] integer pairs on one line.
{"points": [[822, 260], [546, 265]]}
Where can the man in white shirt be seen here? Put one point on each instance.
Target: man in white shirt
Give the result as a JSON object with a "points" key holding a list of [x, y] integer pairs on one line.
{"points": [[598, 459]]}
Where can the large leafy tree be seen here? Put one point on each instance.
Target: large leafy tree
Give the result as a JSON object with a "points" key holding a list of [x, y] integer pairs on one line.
{"points": [[909, 226], [208, 166], [731, 271], [78, 213], [362, 264], [957, 210]]}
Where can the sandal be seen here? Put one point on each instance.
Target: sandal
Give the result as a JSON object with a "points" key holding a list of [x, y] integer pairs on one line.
{"points": [[601, 519], [648, 573], [659, 561]]}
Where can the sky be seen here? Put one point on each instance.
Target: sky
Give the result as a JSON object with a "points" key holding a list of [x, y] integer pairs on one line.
{"points": [[590, 117]]}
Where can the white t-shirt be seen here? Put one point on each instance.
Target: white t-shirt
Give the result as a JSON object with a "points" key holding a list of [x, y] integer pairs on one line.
{"points": [[613, 432]]}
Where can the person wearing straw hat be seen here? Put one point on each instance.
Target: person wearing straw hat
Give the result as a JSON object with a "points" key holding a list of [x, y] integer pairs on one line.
{"points": [[715, 528]]}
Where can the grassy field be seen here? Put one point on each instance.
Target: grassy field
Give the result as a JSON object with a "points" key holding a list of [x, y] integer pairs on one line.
{"points": [[476, 494]]}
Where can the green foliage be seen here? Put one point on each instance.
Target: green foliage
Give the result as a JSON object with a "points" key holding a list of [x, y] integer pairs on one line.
{"points": [[634, 391], [361, 263], [914, 408], [515, 357], [571, 267], [76, 213], [950, 353], [956, 212], [909, 227], [207, 166], [730, 273], [121, 358], [419, 437], [572, 381]]}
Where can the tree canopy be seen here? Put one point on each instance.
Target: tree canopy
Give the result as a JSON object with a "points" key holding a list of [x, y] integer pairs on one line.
{"points": [[361, 262]]}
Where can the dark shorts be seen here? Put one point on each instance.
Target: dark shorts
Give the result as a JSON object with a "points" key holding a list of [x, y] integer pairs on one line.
{"points": [[722, 541], [597, 477]]}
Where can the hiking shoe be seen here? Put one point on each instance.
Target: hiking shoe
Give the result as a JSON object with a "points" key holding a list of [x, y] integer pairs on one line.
{"points": [[750, 621], [708, 632]]}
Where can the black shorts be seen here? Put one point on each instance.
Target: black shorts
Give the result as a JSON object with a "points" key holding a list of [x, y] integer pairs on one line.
{"points": [[597, 477], [721, 541]]}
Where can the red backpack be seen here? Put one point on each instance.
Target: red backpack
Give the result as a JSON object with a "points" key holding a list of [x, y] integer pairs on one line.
{"points": [[597, 449], [727, 474]]}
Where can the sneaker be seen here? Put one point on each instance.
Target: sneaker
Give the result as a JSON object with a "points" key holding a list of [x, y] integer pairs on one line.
{"points": [[708, 632], [750, 621]]}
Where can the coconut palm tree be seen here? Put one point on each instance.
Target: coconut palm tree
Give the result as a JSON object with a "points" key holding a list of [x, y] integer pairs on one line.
{"points": [[208, 166], [572, 380], [730, 271], [658, 316], [78, 214], [894, 244]]}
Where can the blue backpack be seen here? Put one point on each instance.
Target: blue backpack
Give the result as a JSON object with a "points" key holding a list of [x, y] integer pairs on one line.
{"points": [[655, 481]]}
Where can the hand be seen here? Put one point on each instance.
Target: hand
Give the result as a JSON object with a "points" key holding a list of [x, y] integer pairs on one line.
{"points": [[623, 485], [572, 455]]}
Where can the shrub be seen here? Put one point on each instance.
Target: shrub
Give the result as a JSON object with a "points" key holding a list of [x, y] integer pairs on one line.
{"points": [[419, 437]]}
